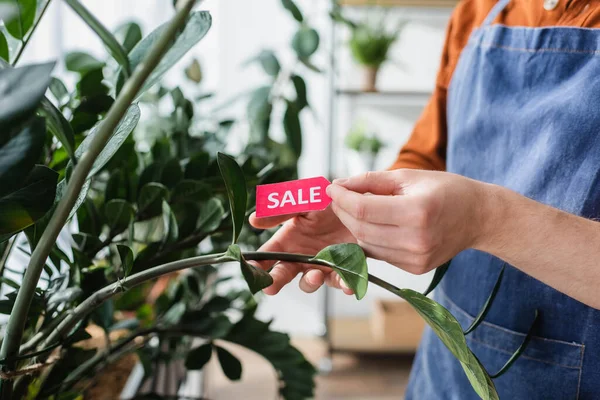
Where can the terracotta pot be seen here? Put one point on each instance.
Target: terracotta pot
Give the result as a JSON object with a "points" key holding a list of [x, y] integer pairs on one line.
{"points": [[370, 79]]}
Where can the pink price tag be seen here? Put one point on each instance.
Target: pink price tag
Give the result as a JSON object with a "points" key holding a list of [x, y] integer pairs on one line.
{"points": [[292, 197]]}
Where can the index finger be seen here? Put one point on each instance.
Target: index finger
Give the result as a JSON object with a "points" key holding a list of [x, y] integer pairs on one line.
{"points": [[269, 222]]}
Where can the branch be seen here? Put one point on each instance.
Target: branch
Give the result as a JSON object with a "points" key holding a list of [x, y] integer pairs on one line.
{"points": [[16, 323], [26, 41]]}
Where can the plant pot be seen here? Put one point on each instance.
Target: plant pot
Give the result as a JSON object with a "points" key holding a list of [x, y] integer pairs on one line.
{"points": [[370, 78]]}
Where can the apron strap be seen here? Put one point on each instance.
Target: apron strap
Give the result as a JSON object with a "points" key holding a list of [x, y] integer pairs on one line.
{"points": [[498, 8]]}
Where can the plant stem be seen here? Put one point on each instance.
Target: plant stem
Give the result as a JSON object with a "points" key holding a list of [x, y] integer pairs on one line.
{"points": [[115, 48], [5, 255], [18, 317], [26, 41]]}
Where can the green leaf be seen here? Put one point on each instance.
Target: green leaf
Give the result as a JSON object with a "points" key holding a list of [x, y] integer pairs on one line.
{"points": [[86, 243], [488, 303], [301, 93], [82, 63], [310, 65], [172, 173], [293, 9], [88, 219], [293, 129], [103, 315], [259, 113], [174, 315], [196, 28], [349, 261], [198, 357], [19, 26], [116, 187], [217, 304], [125, 127], [59, 91], [67, 295], [190, 190], [91, 84], [194, 71], [19, 155], [118, 214], [17, 101], [114, 47], [129, 34], [211, 215], [232, 367], [305, 42], [22, 208], [447, 328], [3, 47], [151, 198], [170, 223], [437, 277], [235, 183], [126, 256], [269, 62], [256, 278]]}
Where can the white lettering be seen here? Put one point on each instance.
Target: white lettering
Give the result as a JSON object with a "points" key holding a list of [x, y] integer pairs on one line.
{"points": [[273, 198], [300, 200], [288, 198], [314, 192]]}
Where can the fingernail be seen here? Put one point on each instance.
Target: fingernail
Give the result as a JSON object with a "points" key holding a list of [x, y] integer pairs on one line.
{"points": [[340, 181], [328, 190]]}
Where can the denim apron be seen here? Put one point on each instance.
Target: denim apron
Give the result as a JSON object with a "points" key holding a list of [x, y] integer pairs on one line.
{"points": [[523, 113]]}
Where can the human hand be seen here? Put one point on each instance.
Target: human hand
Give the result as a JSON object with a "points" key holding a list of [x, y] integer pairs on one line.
{"points": [[415, 220], [306, 234]]}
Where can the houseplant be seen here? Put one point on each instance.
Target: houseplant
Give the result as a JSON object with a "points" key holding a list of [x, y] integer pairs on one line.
{"points": [[53, 169], [365, 145], [370, 42]]}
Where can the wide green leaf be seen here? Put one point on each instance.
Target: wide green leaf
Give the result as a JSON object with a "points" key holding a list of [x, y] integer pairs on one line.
{"points": [[293, 9], [118, 215], [126, 257], [81, 62], [196, 28], [59, 91], [191, 191], [151, 198], [58, 126], [87, 243], [232, 367], [259, 112], [198, 357], [19, 101], [129, 34], [293, 128], [235, 183], [269, 62], [22, 23], [256, 278], [4, 53], [305, 42], [301, 92], [32, 201], [170, 224], [19, 155], [448, 329], [211, 215], [349, 261], [125, 127]]}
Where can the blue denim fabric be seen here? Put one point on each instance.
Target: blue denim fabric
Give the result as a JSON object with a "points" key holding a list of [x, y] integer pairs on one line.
{"points": [[523, 113]]}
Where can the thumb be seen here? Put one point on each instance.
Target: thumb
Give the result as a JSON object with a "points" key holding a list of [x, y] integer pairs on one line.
{"points": [[380, 183]]}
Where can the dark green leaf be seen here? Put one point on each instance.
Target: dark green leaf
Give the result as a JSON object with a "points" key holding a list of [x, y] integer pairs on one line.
{"points": [[217, 304], [91, 84], [301, 94], [82, 63], [103, 315], [310, 65], [186, 214], [235, 183], [17, 101], [152, 173], [174, 314], [3, 47], [9, 282], [116, 187], [269, 62], [293, 9], [190, 190], [118, 214], [126, 256], [31, 202], [88, 218], [519, 351], [58, 126], [126, 324], [232, 367], [305, 42], [198, 357], [125, 127], [197, 167], [447, 328], [349, 261], [20, 25], [195, 29], [437, 277], [211, 215], [172, 173], [488, 303], [19, 155], [259, 113], [59, 91], [129, 35], [293, 129], [256, 278], [170, 223], [87, 243], [151, 198]]}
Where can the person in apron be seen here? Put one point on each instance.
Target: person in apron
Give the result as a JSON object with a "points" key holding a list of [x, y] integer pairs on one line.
{"points": [[521, 191]]}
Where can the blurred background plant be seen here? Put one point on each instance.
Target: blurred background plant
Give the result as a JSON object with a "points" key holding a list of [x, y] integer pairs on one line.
{"points": [[365, 143]]}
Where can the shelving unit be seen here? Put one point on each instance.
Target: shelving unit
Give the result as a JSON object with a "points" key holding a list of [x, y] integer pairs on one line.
{"points": [[354, 334]]}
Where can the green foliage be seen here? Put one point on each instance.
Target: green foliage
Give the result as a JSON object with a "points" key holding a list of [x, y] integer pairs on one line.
{"points": [[256, 278], [22, 23], [293, 9], [349, 261], [3, 47], [235, 183]]}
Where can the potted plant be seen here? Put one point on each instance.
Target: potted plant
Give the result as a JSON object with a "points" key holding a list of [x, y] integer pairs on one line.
{"points": [[365, 144], [370, 43], [70, 167]]}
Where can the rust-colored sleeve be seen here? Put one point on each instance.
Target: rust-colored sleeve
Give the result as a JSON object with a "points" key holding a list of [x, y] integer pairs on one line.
{"points": [[426, 147]]}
